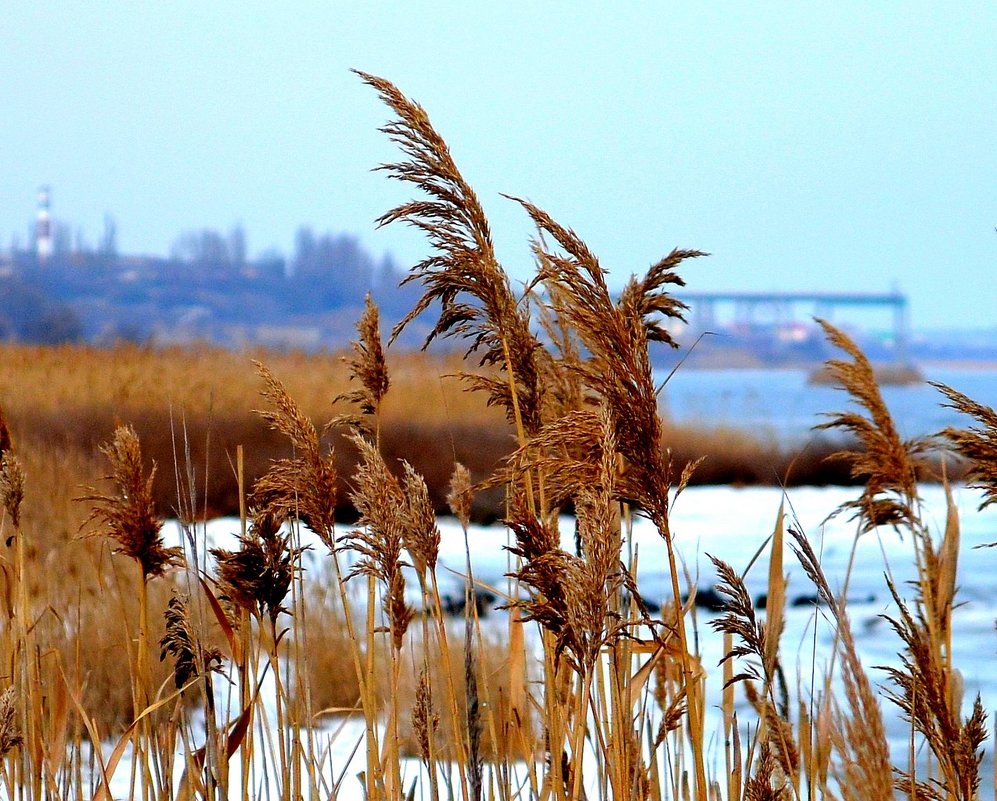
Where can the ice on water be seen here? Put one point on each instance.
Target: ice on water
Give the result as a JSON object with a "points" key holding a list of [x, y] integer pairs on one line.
{"points": [[733, 524]]}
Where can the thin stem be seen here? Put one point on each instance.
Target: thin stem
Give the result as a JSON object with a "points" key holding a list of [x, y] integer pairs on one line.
{"points": [[691, 685], [279, 699]]}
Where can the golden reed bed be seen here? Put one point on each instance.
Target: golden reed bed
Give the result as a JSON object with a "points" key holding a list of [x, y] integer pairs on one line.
{"points": [[198, 403]]}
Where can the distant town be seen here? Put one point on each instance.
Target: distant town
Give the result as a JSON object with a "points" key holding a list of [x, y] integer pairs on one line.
{"points": [[57, 288]]}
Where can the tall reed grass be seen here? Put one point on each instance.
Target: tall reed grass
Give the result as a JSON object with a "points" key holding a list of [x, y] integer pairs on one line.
{"points": [[585, 692], [70, 398]]}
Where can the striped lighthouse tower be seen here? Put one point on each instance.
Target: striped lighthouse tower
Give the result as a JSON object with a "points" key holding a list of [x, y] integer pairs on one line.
{"points": [[43, 227]]}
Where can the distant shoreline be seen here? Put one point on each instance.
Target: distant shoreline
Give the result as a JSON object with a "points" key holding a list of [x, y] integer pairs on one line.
{"points": [[929, 364], [959, 364]]}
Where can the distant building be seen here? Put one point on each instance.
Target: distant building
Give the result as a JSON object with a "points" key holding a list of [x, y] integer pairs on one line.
{"points": [[43, 226]]}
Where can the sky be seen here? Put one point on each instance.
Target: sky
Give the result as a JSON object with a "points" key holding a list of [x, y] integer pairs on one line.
{"points": [[817, 146]]}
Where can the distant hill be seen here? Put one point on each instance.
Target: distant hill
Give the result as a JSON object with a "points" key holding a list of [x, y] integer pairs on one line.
{"points": [[206, 290]]}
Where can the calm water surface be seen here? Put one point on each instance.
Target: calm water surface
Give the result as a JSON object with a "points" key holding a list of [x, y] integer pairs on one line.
{"points": [[782, 405]]}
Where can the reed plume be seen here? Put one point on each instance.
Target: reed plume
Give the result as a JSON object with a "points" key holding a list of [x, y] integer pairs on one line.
{"points": [[461, 495], [410, 505], [767, 783], [463, 273], [574, 594], [367, 366], [421, 536], [10, 734], [378, 538], [183, 643], [11, 476], [929, 700], [128, 515], [977, 444], [739, 620], [425, 721], [534, 536], [616, 337], [566, 452], [561, 360], [304, 486], [885, 462], [258, 576], [11, 486]]}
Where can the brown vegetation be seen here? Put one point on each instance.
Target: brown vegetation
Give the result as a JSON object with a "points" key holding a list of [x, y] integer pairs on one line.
{"points": [[192, 409], [606, 700]]}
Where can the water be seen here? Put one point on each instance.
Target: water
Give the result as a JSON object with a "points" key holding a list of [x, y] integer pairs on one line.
{"points": [[781, 405]]}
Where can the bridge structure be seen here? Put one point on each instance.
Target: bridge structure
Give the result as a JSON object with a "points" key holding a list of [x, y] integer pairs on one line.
{"points": [[781, 308]]}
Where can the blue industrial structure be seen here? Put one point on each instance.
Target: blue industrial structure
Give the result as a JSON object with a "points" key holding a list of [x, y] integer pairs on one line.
{"points": [[781, 308]]}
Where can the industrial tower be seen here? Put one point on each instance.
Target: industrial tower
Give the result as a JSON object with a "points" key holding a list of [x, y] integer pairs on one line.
{"points": [[43, 226]]}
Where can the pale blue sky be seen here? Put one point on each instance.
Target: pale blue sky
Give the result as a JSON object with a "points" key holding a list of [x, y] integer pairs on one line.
{"points": [[806, 146]]}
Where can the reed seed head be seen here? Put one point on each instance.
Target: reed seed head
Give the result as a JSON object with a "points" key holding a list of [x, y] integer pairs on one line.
{"points": [[739, 620], [570, 595], [128, 514], [304, 487], [11, 486], [616, 336], [420, 535], [257, 577], [181, 641], [463, 274], [367, 365], [924, 694], [381, 534], [567, 453], [886, 463], [425, 721], [767, 783], [10, 734], [461, 494], [977, 444]]}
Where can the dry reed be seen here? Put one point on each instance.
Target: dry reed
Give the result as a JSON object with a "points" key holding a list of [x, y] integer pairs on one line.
{"points": [[978, 444], [129, 516], [607, 701], [885, 463]]}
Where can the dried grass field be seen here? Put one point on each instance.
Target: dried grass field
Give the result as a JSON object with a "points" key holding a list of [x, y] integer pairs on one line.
{"points": [[199, 404], [138, 667]]}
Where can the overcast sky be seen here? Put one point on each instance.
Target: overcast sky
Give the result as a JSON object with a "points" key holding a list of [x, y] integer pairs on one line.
{"points": [[805, 146]]}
